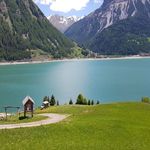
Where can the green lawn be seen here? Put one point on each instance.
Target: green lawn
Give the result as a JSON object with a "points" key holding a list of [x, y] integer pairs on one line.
{"points": [[15, 119], [120, 126]]}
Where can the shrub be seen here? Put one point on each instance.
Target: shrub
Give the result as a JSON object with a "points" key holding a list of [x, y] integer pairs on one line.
{"points": [[22, 117], [57, 103], [70, 102], [46, 98], [81, 100], [145, 100], [97, 103], [92, 103], [89, 102], [85, 101]]}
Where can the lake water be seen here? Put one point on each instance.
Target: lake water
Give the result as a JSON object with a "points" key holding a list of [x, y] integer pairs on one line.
{"points": [[104, 80]]}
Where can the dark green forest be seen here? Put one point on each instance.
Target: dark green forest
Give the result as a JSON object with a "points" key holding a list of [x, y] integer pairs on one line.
{"points": [[127, 37], [23, 27]]}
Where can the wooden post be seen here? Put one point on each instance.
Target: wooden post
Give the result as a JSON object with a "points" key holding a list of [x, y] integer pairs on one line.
{"points": [[32, 110], [24, 113], [18, 112], [32, 114]]}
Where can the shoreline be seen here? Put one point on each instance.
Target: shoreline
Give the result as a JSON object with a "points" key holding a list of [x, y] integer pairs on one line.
{"points": [[73, 59]]}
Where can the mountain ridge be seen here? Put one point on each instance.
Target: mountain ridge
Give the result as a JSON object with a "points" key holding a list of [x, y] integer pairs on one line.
{"points": [[95, 26], [24, 28], [62, 23]]}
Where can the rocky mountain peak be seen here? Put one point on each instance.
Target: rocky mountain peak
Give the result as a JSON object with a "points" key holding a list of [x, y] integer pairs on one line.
{"points": [[62, 23], [114, 27], [114, 10]]}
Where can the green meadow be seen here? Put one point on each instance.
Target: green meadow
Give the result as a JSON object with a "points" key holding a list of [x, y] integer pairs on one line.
{"points": [[118, 126], [15, 119]]}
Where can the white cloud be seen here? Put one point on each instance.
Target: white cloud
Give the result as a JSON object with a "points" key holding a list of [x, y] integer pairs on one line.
{"points": [[64, 5]]}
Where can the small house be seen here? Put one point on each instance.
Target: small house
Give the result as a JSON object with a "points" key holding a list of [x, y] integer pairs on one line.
{"points": [[46, 104], [28, 104]]}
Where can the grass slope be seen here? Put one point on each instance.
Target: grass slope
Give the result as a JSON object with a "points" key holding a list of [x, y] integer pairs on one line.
{"points": [[15, 120], [121, 126]]}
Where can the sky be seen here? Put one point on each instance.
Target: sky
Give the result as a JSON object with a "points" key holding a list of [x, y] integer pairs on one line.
{"points": [[68, 7]]}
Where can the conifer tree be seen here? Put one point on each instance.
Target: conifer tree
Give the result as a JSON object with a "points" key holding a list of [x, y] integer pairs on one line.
{"points": [[70, 102], [52, 100]]}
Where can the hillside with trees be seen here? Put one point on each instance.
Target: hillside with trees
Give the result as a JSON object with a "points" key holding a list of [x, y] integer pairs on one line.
{"points": [[23, 27], [127, 37], [118, 27]]}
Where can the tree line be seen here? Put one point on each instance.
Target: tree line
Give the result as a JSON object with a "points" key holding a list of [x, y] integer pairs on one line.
{"points": [[81, 100]]}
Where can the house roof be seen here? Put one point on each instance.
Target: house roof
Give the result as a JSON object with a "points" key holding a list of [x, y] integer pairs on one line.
{"points": [[26, 99], [45, 102]]}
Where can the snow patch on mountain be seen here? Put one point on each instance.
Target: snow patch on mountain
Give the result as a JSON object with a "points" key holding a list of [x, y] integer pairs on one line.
{"points": [[63, 23]]}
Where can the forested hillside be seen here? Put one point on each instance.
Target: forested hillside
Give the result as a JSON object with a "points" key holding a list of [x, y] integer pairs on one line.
{"points": [[118, 27], [23, 27], [127, 37]]}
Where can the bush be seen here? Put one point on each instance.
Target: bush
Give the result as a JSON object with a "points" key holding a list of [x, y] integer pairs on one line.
{"points": [[89, 102], [70, 102], [85, 101], [92, 103], [22, 117], [46, 98], [145, 100], [81, 100], [97, 103], [57, 103]]}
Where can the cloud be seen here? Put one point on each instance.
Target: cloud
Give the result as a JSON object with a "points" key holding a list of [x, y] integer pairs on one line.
{"points": [[64, 5]]}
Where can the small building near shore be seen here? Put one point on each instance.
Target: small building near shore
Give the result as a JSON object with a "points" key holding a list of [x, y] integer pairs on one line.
{"points": [[28, 104], [46, 104]]}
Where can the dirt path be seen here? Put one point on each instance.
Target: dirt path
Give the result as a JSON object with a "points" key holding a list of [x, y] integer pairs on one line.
{"points": [[52, 118]]}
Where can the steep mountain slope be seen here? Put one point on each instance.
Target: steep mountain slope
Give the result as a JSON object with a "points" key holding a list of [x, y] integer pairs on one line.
{"points": [[128, 37], [117, 27], [24, 27], [62, 23]]}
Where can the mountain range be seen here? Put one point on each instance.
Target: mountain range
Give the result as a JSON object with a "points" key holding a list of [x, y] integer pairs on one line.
{"points": [[118, 27], [25, 30], [62, 23]]}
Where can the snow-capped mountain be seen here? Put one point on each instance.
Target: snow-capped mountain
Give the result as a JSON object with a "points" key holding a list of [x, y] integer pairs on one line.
{"points": [[63, 23], [114, 27]]}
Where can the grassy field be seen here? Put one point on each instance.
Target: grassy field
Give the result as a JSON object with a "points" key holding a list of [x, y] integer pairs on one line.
{"points": [[120, 126], [15, 119]]}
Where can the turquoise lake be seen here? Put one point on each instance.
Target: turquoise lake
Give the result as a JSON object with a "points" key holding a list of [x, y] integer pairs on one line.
{"points": [[103, 80]]}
